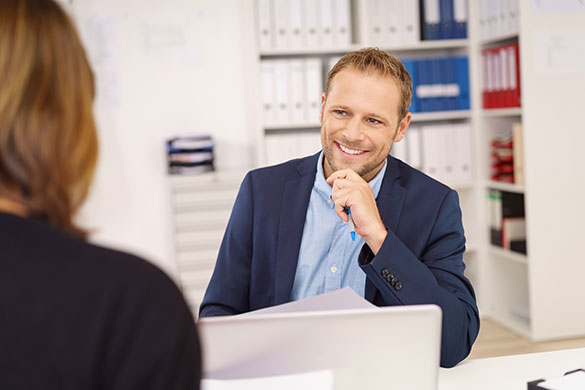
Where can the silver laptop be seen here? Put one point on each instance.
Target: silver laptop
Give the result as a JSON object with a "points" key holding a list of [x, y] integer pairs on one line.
{"points": [[380, 348]]}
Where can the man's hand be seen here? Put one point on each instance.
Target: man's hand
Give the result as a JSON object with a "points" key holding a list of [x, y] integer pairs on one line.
{"points": [[350, 190]]}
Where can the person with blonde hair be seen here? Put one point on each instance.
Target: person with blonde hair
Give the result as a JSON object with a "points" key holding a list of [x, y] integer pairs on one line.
{"points": [[288, 236], [72, 315]]}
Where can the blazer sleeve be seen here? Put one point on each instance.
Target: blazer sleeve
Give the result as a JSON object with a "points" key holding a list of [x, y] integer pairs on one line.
{"points": [[435, 278], [229, 287]]}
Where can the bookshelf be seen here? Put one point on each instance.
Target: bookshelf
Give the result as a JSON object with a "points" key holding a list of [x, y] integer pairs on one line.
{"points": [[536, 295]]}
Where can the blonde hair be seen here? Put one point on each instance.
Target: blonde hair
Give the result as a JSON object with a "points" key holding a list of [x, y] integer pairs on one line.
{"points": [[48, 142], [374, 60]]}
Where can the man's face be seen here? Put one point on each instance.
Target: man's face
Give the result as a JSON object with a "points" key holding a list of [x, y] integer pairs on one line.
{"points": [[359, 119]]}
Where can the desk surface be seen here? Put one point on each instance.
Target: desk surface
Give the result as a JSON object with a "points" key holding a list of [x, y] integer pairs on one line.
{"points": [[510, 372]]}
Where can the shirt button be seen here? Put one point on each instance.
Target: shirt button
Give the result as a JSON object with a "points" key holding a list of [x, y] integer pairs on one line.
{"points": [[334, 269]]}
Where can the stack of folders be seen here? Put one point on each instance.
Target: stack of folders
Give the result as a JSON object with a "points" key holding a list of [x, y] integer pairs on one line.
{"points": [[443, 19], [439, 84], [291, 91], [302, 24], [443, 151], [507, 221], [284, 146], [190, 154], [498, 18], [501, 76], [508, 156], [393, 23]]}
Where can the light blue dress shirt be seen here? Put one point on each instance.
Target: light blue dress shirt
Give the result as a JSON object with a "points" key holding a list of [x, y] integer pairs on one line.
{"points": [[328, 256]]}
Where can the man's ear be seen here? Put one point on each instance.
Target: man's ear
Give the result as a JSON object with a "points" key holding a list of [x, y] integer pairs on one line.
{"points": [[402, 127], [323, 99]]}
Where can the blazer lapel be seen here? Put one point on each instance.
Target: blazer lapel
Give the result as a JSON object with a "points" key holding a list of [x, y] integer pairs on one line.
{"points": [[390, 201], [297, 193]]}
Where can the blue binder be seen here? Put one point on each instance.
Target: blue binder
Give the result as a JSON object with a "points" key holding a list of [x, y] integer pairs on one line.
{"points": [[449, 66], [437, 77], [460, 19], [423, 78], [462, 66], [429, 25], [410, 66], [447, 27]]}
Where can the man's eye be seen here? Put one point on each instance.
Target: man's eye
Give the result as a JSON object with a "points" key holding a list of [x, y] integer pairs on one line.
{"points": [[373, 121], [339, 112]]}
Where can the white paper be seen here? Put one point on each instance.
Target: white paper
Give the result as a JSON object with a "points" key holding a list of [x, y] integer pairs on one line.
{"points": [[559, 51], [572, 381], [342, 299], [318, 380]]}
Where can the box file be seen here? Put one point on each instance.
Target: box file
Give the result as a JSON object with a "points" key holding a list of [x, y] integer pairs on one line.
{"points": [[313, 88], [265, 19], [460, 19], [298, 104], [326, 22], [410, 21], [268, 92], [342, 25], [281, 24], [282, 94], [447, 26], [430, 19], [311, 23], [296, 28]]}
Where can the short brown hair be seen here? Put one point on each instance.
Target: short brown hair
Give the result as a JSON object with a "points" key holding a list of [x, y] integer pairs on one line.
{"points": [[48, 142], [372, 59]]}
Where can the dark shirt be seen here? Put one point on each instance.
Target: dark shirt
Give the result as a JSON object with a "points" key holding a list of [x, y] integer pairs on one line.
{"points": [[78, 316]]}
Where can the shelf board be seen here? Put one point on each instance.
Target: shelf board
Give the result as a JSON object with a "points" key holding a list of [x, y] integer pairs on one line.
{"points": [[293, 126], [440, 115], [508, 255], [502, 112], [508, 187], [416, 117], [340, 50], [499, 38]]}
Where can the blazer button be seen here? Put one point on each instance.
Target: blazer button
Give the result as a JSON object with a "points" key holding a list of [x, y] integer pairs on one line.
{"points": [[398, 286], [385, 273]]}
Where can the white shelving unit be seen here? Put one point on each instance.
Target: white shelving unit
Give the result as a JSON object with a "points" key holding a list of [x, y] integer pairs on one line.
{"points": [[538, 295]]}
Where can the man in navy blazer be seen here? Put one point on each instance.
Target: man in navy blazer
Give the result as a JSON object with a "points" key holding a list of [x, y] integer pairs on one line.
{"points": [[412, 239]]}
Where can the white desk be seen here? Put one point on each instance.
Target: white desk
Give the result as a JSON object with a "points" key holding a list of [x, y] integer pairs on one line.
{"points": [[510, 372]]}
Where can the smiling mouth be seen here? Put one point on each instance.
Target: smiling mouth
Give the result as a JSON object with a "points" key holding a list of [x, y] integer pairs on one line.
{"points": [[352, 152]]}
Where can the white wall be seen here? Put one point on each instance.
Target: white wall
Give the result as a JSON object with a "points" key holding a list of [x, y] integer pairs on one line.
{"points": [[163, 68]]}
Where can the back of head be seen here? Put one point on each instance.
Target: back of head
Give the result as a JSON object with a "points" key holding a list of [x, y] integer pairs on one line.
{"points": [[373, 60], [48, 144]]}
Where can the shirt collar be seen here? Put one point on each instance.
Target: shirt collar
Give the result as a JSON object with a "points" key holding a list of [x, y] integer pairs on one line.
{"points": [[324, 189]]}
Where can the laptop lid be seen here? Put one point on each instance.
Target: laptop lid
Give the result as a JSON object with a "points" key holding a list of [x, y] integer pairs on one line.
{"points": [[391, 347]]}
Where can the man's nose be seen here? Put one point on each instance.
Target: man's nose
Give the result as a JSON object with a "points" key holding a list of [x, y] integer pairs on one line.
{"points": [[354, 130]]}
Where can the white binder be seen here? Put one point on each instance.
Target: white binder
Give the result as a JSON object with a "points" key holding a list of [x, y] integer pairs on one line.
{"points": [[314, 88], [326, 22], [298, 106], [411, 22], [434, 154], [414, 146], [264, 13], [296, 28], [281, 24], [464, 153], [342, 25], [282, 83], [311, 23], [268, 92], [393, 22]]}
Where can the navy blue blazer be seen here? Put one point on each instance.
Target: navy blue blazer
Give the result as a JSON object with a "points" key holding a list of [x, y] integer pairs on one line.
{"points": [[420, 262]]}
